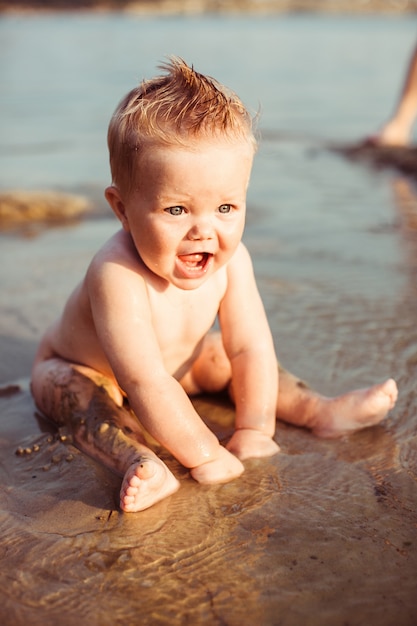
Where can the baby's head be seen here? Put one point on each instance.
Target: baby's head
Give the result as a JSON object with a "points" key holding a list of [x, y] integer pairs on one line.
{"points": [[180, 108]]}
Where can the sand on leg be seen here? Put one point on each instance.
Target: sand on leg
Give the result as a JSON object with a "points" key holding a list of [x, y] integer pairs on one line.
{"points": [[91, 407]]}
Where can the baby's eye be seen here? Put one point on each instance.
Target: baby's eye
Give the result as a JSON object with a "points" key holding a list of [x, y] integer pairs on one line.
{"points": [[225, 208], [175, 210]]}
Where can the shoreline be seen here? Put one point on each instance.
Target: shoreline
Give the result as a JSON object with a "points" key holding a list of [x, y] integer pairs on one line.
{"points": [[201, 7]]}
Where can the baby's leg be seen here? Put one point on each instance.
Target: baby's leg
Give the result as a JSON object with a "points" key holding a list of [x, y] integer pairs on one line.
{"points": [[297, 403], [91, 407], [211, 372], [333, 417]]}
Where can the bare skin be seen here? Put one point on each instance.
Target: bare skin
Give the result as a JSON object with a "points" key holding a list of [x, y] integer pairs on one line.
{"points": [[146, 479], [137, 329], [146, 482], [356, 410], [397, 130], [301, 406]]}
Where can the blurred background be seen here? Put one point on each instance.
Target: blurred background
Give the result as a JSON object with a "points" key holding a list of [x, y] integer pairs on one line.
{"points": [[313, 75]]}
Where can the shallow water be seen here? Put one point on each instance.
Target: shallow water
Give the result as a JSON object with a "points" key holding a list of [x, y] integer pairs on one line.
{"points": [[324, 533]]}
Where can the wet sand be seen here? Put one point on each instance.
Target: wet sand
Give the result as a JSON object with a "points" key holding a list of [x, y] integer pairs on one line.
{"points": [[321, 534], [325, 533]]}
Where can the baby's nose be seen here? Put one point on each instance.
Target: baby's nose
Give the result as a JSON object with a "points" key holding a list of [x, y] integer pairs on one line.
{"points": [[203, 229]]}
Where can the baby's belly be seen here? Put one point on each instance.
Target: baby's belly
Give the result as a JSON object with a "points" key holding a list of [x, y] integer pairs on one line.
{"points": [[90, 354]]}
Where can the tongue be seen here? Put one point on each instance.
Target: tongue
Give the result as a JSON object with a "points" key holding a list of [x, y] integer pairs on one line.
{"points": [[192, 259]]}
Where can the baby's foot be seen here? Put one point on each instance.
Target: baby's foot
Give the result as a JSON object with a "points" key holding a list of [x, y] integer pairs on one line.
{"points": [[358, 409], [146, 482]]}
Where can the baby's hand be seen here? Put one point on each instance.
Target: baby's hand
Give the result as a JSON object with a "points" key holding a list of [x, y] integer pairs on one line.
{"points": [[247, 443], [221, 470]]}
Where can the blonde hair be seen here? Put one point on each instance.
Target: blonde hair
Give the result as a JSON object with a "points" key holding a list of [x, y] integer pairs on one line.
{"points": [[174, 109]]}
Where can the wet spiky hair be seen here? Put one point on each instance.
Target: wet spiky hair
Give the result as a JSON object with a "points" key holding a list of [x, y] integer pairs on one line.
{"points": [[177, 108]]}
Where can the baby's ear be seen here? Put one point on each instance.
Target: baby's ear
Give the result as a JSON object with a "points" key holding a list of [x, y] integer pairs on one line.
{"points": [[114, 199]]}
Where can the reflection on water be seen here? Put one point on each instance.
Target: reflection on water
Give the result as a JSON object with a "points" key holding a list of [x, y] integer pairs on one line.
{"points": [[325, 532]]}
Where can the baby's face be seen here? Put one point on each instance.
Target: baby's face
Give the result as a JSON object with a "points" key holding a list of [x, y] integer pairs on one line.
{"points": [[188, 214]]}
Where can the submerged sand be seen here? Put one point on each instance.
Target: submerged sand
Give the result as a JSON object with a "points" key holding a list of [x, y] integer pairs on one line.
{"points": [[325, 533]]}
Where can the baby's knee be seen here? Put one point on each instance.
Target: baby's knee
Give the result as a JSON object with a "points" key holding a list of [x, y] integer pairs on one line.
{"points": [[214, 352], [212, 371]]}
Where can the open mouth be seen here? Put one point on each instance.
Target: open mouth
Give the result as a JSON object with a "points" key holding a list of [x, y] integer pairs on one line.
{"points": [[194, 265]]}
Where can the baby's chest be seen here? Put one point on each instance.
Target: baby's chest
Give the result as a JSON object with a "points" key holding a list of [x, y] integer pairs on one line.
{"points": [[184, 319], [186, 323]]}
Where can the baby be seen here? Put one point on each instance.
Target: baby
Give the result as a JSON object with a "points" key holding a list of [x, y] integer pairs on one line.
{"points": [[135, 339]]}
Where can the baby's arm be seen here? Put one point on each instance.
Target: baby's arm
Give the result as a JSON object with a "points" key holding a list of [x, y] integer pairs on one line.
{"points": [[123, 322], [249, 346], [167, 414]]}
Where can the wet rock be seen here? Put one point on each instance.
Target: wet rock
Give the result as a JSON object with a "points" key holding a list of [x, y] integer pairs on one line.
{"points": [[21, 207], [9, 390]]}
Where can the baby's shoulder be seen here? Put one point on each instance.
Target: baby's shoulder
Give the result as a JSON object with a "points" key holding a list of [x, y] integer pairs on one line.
{"points": [[241, 260], [118, 249], [116, 259]]}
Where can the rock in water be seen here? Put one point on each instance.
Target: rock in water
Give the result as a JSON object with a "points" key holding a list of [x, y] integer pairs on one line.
{"points": [[19, 207]]}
